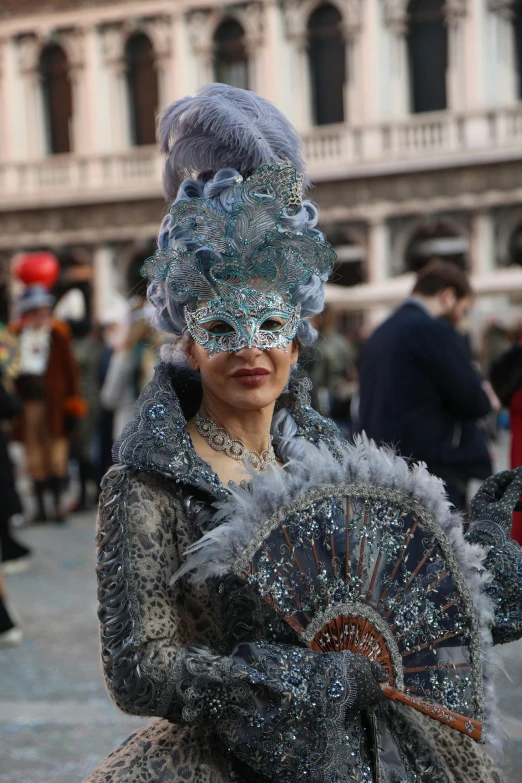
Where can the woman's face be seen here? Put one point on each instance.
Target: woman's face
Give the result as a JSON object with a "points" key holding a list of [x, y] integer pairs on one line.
{"points": [[249, 379]]}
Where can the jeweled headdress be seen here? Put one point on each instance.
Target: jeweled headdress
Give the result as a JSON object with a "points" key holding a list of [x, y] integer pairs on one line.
{"points": [[240, 247], [240, 265]]}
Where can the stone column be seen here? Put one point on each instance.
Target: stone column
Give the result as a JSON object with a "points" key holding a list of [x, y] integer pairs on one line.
{"points": [[103, 279], [297, 35], [202, 47], [378, 263], [253, 16], [396, 20], [159, 31], [5, 145], [114, 58], [354, 85], [272, 55], [502, 71], [378, 250], [28, 65], [74, 45], [483, 251], [179, 80], [455, 11]]}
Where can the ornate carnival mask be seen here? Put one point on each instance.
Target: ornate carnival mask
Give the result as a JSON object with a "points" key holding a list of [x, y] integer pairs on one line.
{"points": [[236, 268]]}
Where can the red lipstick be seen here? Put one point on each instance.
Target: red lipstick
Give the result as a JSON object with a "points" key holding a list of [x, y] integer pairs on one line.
{"points": [[251, 377]]}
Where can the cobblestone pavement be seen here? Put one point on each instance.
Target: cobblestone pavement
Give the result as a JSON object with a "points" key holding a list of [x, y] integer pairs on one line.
{"points": [[56, 721]]}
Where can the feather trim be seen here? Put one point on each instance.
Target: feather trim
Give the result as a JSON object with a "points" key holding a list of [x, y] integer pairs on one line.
{"points": [[362, 462]]}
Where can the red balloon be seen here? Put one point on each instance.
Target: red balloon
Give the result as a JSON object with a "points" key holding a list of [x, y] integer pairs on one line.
{"points": [[40, 268]]}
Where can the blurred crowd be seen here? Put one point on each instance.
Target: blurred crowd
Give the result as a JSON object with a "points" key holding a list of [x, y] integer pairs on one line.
{"points": [[67, 388], [417, 382]]}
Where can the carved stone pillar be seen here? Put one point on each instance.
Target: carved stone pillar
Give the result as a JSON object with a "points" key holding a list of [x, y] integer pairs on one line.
{"points": [[4, 102], [103, 280], [378, 251], [159, 32], [202, 46], [29, 48], [113, 47], [455, 12], [483, 253], [73, 43], [353, 90], [253, 18], [396, 20], [272, 54], [297, 35], [504, 59]]}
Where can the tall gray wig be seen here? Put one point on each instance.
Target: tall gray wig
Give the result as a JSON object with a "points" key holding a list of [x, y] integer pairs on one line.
{"points": [[208, 140]]}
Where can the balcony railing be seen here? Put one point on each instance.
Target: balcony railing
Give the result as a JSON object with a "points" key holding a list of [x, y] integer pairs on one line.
{"points": [[440, 137], [331, 151], [76, 178]]}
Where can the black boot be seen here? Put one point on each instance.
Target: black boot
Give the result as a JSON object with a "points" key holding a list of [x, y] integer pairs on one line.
{"points": [[55, 485], [39, 493]]}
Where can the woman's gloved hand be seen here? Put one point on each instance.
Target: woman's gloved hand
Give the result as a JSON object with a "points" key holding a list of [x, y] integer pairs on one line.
{"points": [[368, 676], [492, 517], [283, 710], [495, 502]]}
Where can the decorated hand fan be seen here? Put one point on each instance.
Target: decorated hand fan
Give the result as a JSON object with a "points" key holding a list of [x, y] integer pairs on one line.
{"points": [[367, 569]]}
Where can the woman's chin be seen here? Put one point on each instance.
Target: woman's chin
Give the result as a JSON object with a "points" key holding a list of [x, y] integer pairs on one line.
{"points": [[251, 399]]}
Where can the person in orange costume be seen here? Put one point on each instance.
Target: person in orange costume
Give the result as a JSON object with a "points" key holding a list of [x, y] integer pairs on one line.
{"points": [[49, 388]]}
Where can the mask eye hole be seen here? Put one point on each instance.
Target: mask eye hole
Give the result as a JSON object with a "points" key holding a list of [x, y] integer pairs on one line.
{"points": [[272, 324], [218, 328]]}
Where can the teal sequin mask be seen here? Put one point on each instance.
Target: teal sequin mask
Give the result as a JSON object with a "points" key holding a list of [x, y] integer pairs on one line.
{"points": [[236, 266]]}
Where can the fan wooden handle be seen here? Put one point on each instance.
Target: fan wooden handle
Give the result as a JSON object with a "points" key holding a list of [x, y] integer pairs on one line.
{"points": [[472, 728]]}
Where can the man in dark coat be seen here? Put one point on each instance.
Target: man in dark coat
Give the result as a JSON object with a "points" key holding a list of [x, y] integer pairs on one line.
{"points": [[419, 390]]}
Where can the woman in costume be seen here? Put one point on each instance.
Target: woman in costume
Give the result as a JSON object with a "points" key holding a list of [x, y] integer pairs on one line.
{"points": [[222, 438]]}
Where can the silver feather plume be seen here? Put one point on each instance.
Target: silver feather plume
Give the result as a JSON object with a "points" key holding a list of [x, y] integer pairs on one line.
{"points": [[224, 127]]}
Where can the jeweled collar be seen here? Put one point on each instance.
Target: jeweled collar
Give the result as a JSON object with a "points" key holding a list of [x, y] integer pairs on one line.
{"points": [[157, 439]]}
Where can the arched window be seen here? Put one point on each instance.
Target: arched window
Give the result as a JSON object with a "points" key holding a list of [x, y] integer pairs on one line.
{"points": [[142, 82], [57, 99], [517, 24], [327, 64], [230, 55], [437, 240], [428, 55]]}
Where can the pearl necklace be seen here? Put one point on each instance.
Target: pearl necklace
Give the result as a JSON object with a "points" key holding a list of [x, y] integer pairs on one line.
{"points": [[218, 438]]}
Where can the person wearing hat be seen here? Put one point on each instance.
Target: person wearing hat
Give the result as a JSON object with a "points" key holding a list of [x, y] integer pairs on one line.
{"points": [[48, 387]]}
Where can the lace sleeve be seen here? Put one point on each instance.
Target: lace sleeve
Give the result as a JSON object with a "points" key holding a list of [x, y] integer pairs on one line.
{"points": [[504, 563], [491, 512], [283, 710], [139, 612]]}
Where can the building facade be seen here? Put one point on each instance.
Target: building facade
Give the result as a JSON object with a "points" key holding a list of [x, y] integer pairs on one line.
{"points": [[410, 113]]}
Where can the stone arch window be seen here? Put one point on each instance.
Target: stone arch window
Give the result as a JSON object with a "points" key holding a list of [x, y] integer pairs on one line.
{"points": [[327, 61], [428, 55], [230, 55], [142, 87], [440, 239], [57, 99]]}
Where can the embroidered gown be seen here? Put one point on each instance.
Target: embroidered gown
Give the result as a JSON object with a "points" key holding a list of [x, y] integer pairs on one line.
{"points": [[235, 696]]}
